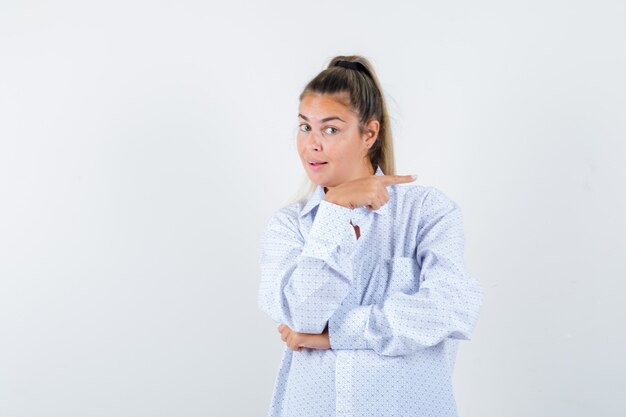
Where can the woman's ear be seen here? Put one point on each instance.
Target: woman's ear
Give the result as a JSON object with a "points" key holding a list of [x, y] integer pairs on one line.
{"points": [[371, 132]]}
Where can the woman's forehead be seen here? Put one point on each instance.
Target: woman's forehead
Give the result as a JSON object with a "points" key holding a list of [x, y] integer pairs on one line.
{"points": [[321, 106]]}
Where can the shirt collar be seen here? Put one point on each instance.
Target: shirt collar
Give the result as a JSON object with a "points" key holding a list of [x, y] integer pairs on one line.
{"points": [[317, 196]]}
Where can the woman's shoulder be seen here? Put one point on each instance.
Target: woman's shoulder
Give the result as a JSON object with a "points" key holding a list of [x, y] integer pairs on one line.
{"points": [[420, 192], [287, 216], [424, 198]]}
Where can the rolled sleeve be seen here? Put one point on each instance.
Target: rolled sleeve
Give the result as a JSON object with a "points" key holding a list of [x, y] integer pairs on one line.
{"points": [[347, 326]]}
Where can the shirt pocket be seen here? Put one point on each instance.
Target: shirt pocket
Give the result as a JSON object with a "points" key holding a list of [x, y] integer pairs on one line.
{"points": [[403, 274]]}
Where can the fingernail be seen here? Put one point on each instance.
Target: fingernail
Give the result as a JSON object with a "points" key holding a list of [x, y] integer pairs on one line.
{"points": [[414, 176]]}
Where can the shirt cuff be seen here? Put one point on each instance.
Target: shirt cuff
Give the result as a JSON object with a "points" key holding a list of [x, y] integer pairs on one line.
{"points": [[346, 328], [331, 228]]}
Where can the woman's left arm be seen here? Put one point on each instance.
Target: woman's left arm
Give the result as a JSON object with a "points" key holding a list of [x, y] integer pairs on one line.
{"points": [[446, 305]]}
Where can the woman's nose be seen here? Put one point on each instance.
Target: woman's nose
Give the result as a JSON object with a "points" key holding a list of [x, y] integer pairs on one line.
{"points": [[315, 140]]}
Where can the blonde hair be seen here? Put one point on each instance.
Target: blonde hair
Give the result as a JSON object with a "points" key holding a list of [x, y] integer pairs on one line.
{"points": [[365, 95]]}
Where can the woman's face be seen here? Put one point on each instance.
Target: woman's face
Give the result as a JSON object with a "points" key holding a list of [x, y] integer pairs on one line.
{"points": [[330, 145]]}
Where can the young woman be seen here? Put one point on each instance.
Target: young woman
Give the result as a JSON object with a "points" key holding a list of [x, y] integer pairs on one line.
{"points": [[365, 276]]}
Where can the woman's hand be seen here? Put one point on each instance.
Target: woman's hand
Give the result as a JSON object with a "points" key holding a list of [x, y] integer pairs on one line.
{"points": [[370, 192], [296, 341]]}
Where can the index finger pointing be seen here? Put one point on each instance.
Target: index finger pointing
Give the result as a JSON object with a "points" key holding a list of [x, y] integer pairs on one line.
{"points": [[397, 179]]}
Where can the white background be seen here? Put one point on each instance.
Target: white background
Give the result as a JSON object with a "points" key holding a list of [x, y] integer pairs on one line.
{"points": [[144, 145]]}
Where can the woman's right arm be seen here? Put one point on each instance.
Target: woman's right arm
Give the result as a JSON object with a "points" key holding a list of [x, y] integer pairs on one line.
{"points": [[303, 282]]}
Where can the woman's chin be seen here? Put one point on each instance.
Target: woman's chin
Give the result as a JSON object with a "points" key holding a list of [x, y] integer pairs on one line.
{"points": [[321, 179], [323, 183], [316, 178]]}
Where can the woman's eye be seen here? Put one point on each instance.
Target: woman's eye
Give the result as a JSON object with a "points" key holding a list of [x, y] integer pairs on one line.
{"points": [[304, 127], [331, 130]]}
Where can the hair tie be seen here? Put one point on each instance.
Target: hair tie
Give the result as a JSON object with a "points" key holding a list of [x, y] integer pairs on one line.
{"points": [[357, 66]]}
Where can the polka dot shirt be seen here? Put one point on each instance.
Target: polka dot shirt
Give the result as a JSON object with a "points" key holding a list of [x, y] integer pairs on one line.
{"points": [[396, 301]]}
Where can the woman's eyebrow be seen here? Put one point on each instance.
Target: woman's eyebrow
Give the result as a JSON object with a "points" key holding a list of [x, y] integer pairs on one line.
{"points": [[326, 119]]}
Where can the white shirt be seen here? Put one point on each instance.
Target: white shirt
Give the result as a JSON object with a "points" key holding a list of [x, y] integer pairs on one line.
{"points": [[397, 301]]}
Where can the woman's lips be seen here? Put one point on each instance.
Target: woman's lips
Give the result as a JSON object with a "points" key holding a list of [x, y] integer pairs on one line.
{"points": [[316, 166]]}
